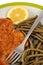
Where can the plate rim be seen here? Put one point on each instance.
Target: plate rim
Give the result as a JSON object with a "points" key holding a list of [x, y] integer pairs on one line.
{"points": [[22, 4]]}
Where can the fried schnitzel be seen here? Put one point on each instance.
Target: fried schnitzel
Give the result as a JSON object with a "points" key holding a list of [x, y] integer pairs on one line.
{"points": [[9, 39]]}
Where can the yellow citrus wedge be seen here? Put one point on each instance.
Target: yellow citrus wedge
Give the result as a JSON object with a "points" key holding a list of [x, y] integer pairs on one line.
{"points": [[18, 14]]}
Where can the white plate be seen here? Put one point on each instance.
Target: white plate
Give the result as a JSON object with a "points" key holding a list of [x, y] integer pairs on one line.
{"points": [[33, 11]]}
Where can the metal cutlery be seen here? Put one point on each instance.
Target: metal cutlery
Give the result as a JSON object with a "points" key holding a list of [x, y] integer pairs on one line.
{"points": [[16, 53]]}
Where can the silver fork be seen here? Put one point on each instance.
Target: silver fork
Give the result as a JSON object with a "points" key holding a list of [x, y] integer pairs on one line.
{"points": [[16, 53]]}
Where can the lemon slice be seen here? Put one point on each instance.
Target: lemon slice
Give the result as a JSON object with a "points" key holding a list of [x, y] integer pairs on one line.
{"points": [[18, 14]]}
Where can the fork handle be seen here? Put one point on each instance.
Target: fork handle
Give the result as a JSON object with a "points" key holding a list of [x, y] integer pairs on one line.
{"points": [[33, 26]]}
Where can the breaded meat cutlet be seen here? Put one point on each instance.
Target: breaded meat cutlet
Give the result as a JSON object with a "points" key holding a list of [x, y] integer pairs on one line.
{"points": [[9, 39]]}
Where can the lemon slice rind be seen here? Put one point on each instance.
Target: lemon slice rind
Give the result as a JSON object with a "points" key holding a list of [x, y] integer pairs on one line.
{"points": [[26, 14]]}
